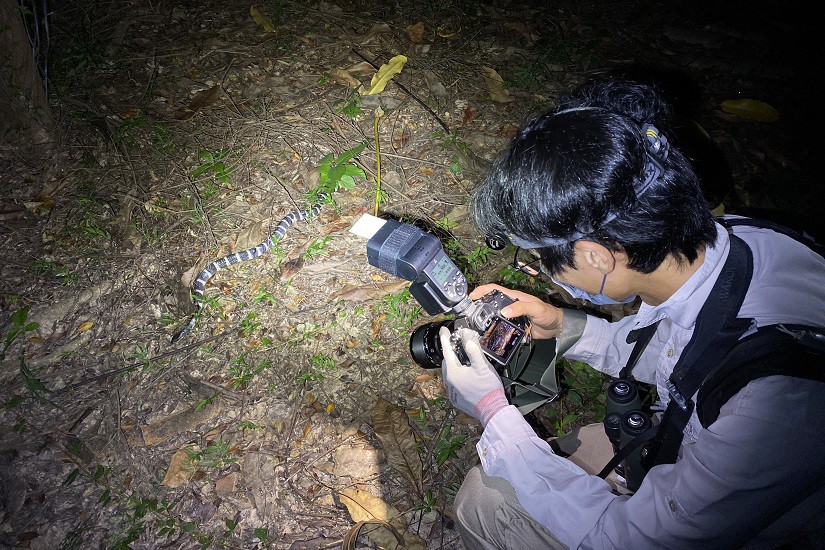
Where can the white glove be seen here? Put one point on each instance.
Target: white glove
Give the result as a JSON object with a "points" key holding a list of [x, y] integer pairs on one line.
{"points": [[475, 389]]}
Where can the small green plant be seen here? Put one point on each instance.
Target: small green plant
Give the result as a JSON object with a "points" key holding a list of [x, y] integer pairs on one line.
{"points": [[316, 249], [248, 324], [319, 366], [62, 272], [336, 173], [241, 371], [350, 106], [264, 295], [163, 138], [19, 327], [400, 313], [478, 257], [141, 354], [215, 455], [447, 445], [427, 503], [213, 162], [206, 401], [451, 142], [248, 425]]}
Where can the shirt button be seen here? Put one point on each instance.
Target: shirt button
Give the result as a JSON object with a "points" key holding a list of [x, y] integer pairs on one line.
{"points": [[673, 506], [670, 352], [484, 452]]}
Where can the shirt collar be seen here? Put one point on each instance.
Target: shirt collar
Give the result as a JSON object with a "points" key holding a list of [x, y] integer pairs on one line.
{"points": [[683, 307]]}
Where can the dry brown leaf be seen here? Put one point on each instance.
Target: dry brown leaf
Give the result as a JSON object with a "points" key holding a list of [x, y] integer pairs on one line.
{"points": [[180, 467], [392, 426], [343, 77], [355, 293], [248, 237], [361, 68], [363, 506], [376, 31], [416, 32], [496, 86], [205, 98]]}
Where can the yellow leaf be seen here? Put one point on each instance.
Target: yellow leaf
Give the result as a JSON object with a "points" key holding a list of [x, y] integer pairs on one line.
{"points": [[330, 408], [85, 326], [385, 74], [751, 109], [496, 86], [261, 19]]}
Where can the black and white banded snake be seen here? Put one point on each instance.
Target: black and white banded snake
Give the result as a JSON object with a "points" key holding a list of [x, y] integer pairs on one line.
{"points": [[249, 254]]}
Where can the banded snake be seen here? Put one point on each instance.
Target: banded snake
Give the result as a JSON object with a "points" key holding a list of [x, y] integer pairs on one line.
{"points": [[249, 254]]}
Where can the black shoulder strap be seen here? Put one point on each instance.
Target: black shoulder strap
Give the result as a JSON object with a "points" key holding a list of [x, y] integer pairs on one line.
{"points": [[716, 332], [774, 350]]}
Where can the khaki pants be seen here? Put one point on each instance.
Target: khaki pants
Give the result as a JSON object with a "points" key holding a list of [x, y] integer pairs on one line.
{"points": [[488, 514]]}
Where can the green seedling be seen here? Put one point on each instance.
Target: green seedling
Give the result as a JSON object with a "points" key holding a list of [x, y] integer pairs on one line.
{"points": [[248, 324], [215, 455], [18, 329], [242, 372], [319, 366], [206, 401], [427, 502], [447, 445], [316, 249], [62, 272], [213, 162], [336, 173], [400, 313], [350, 106]]}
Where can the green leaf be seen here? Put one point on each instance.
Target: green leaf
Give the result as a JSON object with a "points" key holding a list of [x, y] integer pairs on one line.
{"points": [[19, 316], [14, 401], [261, 533], [351, 154], [71, 477]]}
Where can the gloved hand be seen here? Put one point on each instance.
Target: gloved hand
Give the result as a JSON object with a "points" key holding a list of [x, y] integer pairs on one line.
{"points": [[475, 389]]}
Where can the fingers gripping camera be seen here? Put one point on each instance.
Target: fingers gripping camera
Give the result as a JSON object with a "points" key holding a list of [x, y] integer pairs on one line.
{"points": [[500, 338]]}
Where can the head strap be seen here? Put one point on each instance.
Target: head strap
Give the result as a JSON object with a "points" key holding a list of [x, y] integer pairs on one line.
{"points": [[657, 149]]}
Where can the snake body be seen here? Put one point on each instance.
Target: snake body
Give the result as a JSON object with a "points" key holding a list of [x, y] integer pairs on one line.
{"points": [[199, 285]]}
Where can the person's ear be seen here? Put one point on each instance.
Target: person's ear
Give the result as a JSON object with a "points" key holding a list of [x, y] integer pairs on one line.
{"points": [[597, 256]]}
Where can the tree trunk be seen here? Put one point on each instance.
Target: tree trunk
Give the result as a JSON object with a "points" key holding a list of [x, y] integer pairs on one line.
{"points": [[25, 117]]}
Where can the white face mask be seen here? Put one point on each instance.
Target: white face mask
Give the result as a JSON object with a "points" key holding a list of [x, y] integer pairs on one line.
{"points": [[599, 299]]}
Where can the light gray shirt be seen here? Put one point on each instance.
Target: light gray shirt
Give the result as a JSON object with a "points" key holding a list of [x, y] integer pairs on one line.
{"points": [[763, 458]]}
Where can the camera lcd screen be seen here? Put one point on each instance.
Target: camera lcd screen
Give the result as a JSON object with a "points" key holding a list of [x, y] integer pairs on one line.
{"points": [[442, 270], [501, 339]]}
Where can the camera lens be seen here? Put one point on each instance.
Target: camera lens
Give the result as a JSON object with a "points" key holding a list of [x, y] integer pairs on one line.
{"points": [[425, 345]]}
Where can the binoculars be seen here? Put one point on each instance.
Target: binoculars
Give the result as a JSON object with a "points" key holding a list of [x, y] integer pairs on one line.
{"points": [[623, 421]]}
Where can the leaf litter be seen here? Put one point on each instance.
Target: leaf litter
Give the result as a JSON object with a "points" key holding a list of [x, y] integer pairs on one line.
{"points": [[295, 395]]}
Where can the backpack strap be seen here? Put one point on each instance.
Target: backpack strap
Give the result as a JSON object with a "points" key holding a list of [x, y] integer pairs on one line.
{"points": [[717, 331], [786, 350]]}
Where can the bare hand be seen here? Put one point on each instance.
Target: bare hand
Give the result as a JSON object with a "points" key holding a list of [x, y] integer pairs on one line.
{"points": [[546, 319]]}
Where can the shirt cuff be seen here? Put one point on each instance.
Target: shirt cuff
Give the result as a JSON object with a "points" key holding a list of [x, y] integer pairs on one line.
{"points": [[593, 338], [505, 428]]}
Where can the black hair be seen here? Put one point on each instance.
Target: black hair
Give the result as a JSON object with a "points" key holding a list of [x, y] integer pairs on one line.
{"points": [[571, 170]]}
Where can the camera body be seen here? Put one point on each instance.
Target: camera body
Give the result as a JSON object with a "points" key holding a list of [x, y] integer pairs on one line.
{"points": [[440, 287], [500, 338]]}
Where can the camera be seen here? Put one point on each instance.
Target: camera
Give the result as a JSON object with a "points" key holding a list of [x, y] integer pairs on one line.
{"points": [[440, 287], [500, 338]]}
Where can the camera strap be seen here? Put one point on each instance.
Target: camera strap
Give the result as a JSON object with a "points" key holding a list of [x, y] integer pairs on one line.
{"points": [[530, 379]]}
